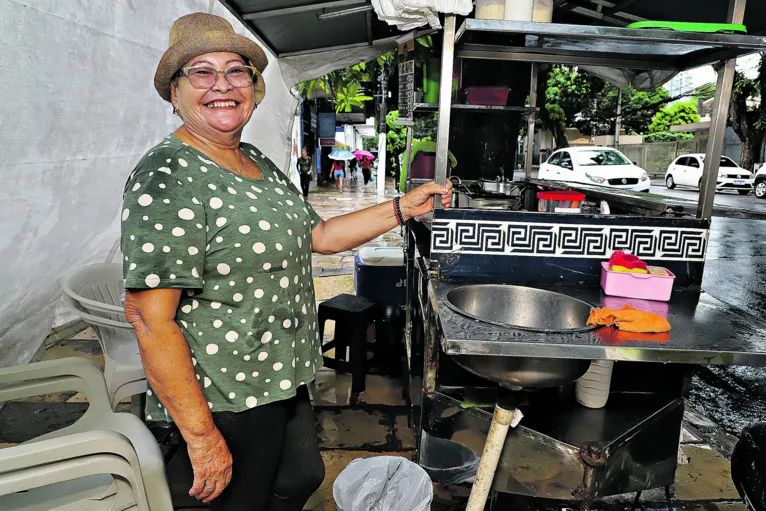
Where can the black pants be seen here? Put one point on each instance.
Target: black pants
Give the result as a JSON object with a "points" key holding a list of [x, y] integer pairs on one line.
{"points": [[276, 460], [305, 180], [366, 173]]}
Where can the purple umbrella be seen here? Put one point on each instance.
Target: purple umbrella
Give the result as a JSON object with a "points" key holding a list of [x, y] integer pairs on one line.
{"points": [[361, 153]]}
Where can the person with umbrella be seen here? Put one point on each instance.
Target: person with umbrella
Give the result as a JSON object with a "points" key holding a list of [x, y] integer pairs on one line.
{"points": [[366, 162], [338, 171]]}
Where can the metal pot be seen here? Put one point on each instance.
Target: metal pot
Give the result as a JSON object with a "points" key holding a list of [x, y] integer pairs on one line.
{"points": [[502, 187]]}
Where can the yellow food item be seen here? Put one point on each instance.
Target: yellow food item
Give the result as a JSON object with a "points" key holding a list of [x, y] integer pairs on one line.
{"points": [[622, 269], [629, 319]]}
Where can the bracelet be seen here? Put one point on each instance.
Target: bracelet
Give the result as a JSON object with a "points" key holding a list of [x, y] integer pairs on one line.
{"points": [[398, 211]]}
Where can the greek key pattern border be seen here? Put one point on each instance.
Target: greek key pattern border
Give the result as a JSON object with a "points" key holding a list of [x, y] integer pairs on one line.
{"points": [[567, 240]]}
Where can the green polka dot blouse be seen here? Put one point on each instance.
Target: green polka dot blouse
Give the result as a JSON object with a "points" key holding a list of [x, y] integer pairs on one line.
{"points": [[241, 250]]}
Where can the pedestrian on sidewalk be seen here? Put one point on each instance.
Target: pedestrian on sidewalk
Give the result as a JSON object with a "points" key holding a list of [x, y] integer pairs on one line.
{"points": [[338, 173], [225, 319], [304, 170], [366, 172]]}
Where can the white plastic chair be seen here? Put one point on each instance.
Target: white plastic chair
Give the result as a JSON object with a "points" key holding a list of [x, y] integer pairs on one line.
{"points": [[94, 292], [105, 460]]}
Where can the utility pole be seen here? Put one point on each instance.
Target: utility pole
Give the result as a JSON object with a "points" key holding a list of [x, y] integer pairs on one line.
{"points": [[382, 129], [618, 122]]}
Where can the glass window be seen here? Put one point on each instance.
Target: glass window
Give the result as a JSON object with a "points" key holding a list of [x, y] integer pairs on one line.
{"points": [[683, 161], [694, 162], [566, 161], [600, 157], [726, 162], [555, 159]]}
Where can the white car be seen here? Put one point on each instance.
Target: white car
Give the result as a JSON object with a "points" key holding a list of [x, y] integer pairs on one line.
{"points": [[687, 170], [759, 183], [602, 166]]}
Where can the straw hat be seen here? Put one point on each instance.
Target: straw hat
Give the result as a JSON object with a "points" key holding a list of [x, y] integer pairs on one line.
{"points": [[199, 33]]}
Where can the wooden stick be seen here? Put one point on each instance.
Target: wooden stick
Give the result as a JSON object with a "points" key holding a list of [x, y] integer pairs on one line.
{"points": [[498, 431]]}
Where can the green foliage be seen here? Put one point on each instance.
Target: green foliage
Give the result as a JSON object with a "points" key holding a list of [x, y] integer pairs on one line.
{"points": [[396, 140], [675, 115], [344, 86], [748, 117], [370, 144], [566, 93], [638, 110], [573, 98], [425, 145], [666, 136], [350, 96]]}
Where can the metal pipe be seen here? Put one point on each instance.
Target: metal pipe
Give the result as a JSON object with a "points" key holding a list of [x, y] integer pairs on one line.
{"points": [[529, 153], [502, 421], [445, 104], [300, 9], [344, 12], [718, 122], [407, 159], [618, 121]]}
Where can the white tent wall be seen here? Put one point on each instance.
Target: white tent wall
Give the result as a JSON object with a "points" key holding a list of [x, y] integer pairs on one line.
{"points": [[78, 111]]}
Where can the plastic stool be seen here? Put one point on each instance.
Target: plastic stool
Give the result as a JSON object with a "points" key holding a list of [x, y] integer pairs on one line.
{"points": [[353, 316]]}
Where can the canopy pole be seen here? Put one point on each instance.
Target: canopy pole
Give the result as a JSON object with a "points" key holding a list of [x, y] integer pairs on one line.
{"points": [[445, 104], [530, 149], [718, 122]]}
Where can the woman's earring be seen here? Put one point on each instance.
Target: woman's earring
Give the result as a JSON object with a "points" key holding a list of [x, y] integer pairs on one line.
{"points": [[175, 112]]}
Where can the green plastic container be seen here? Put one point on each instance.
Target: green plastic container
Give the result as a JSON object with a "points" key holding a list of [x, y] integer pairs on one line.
{"points": [[680, 26]]}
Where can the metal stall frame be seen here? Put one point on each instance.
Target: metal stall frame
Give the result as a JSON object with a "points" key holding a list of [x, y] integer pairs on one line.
{"points": [[600, 46]]}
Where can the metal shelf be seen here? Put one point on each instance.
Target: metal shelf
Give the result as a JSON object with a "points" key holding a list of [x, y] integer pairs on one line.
{"points": [[428, 107], [599, 46]]}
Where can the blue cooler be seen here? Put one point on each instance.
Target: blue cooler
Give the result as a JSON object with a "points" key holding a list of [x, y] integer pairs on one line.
{"points": [[380, 275]]}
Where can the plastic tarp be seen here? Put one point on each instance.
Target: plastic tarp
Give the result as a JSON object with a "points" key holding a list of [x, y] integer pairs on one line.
{"points": [[643, 81], [78, 111]]}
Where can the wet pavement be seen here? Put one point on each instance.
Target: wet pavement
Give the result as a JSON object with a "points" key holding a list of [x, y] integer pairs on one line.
{"points": [[735, 272], [377, 425]]}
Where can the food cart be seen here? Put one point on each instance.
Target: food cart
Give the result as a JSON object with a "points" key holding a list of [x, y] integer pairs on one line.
{"points": [[498, 293]]}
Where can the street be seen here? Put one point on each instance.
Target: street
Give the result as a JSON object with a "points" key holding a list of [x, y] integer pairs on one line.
{"points": [[730, 199]]}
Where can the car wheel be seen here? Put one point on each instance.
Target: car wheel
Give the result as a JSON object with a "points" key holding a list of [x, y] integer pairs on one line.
{"points": [[760, 189], [670, 182], [743, 192]]}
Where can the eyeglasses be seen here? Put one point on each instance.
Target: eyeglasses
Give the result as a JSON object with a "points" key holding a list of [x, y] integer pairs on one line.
{"points": [[204, 77]]}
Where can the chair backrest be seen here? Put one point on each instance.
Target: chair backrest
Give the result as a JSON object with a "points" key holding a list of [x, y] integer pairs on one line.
{"points": [[95, 293], [97, 286]]}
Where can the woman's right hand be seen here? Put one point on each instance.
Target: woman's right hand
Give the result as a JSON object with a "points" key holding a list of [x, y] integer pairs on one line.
{"points": [[211, 461]]}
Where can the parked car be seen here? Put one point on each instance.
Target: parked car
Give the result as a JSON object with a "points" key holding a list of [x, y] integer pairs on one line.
{"points": [[759, 183], [595, 165], [686, 170]]}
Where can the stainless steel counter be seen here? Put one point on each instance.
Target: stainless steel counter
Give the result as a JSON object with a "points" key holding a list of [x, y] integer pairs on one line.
{"points": [[705, 331]]}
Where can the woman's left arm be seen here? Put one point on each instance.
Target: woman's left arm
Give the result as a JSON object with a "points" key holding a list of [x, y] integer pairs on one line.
{"points": [[353, 229]]}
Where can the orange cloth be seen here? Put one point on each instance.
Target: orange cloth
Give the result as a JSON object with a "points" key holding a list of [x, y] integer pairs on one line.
{"points": [[629, 319]]}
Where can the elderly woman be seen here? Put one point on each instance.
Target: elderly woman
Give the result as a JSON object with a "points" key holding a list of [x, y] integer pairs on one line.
{"points": [[217, 245]]}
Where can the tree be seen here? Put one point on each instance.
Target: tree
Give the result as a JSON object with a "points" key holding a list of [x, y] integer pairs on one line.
{"points": [[678, 114], [638, 110], [747, 116], [565, 93]]}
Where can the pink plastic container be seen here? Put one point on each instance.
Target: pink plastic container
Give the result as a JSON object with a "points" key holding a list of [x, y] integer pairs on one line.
{"points": [[492, 96], [635, 285]]}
